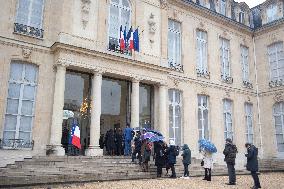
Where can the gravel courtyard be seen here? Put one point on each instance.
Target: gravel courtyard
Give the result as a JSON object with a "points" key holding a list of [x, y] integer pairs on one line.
{"points": [[268, 180]]}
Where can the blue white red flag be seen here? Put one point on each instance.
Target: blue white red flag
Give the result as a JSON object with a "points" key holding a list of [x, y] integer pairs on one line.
{"points": [[136, 40], [131, 41], [75, 135], [121, 39]]}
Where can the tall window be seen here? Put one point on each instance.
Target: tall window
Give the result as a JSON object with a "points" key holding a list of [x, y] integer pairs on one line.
{"points": [[20, 104], [225, 58], [223, 7], [174, 44], [202, 3], [271, 12], [201, 51], [278, 113], [228, 124], [29, 17], [245, 63], [276, 61], [203, 118], [119, 15], [249, 122], [175, 106], [242, 17]]}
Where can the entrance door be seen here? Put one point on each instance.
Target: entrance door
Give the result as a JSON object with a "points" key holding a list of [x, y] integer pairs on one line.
{"points": [[76, 110]]}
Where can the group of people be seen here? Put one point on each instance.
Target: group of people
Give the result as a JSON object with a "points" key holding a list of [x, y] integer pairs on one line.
{"points": [[230, 153]]}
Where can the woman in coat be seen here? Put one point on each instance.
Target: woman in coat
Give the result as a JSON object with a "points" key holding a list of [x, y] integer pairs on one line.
{"points": [[172, 154], [186, 159], [208, 165], [252, 163], [159, 153]]}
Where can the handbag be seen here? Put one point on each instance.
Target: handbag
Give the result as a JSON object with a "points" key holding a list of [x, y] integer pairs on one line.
{"points": [[202, 163]]}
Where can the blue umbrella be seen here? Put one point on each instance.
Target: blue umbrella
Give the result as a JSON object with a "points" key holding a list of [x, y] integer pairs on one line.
{"points": [[207, 145], [156, 138]]}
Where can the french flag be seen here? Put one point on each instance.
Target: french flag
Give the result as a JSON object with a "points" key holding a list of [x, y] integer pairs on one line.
{"points": [[75, 136], [131, 41], [121, 39]]}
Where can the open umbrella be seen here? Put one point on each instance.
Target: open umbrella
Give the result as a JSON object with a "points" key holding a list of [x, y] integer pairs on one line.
{"points": [[207, 145]]}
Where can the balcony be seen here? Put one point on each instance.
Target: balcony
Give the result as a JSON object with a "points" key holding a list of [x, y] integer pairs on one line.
{"points": [[114, 46], [203, 73], [28, 30], [276, 83], [16, 144], [247, 84], [175, 66], [227, 79]]}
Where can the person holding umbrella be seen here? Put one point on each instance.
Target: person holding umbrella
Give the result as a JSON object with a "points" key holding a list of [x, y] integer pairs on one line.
{"points": [[207, 164]]}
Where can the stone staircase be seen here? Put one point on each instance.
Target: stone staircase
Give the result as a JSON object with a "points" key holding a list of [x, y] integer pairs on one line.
{"points": [[269, 165], [73, 169]]}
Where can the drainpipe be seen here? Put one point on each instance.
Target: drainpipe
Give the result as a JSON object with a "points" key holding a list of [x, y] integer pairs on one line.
{"points": [[257, 97]]}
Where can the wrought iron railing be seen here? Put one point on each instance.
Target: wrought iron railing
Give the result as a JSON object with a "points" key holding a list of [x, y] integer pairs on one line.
{"points": [[28, 30], [276, 83], [227, 79], [16, 143], [203, 73], [247, 84], [114, 47], [175, 66]]}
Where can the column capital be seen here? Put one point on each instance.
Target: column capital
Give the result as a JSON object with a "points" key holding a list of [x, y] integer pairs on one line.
{"points": [[62, 62], [135, 79], [99, 71], [162, 84]]}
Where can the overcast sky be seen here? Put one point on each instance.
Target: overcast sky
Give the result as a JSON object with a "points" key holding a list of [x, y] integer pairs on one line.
{"points": [[251, 3]]}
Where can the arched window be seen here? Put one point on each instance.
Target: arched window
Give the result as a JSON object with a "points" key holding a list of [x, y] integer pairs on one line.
{"points": [[278, 113], [276, 61], [119, 15]]}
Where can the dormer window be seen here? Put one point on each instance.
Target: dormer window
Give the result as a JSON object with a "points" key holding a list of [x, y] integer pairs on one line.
{"points": [[271, 12], [223, 7], [242, 17]]}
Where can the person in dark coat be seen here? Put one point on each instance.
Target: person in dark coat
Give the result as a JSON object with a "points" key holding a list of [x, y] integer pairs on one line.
{"points": [[118, 142], [186, 154], [172, 154], [230, 153], [137, 147], [101, 141], [159, 154], [110, 142], [252, 163]]}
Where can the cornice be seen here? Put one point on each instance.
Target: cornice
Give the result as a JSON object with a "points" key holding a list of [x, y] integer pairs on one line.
{"points": [[269, 27], [271, 92]]}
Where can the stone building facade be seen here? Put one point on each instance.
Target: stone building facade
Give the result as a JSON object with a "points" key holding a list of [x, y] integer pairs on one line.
{"points": [[205, 69]]}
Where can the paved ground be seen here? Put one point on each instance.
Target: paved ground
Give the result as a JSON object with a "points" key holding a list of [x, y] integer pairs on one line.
{"points": [[268, 180]]}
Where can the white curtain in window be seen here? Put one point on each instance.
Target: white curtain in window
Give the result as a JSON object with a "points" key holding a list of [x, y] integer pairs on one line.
{"points": [[276, 61], [245, 63], [228, 123], [249, 122], [201, 50], [175, 105], [30, 13], [225, 58], [278, 113], [174, 43], [203, 117]]}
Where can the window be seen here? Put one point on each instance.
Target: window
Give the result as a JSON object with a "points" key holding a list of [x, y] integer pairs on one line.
{"points": [[174, 44], [175, 105], [29, 17], [20, 105], [245, 63], [201, 51], [249, 122], [228, 119], [276, 61], [278, 113], [203, 118], [242, 17], [119, 15], [223, 7], [271, 12], [225, 58], [202, 2]]}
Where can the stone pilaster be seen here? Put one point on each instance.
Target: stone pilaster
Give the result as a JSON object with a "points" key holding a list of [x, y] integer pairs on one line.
{"points": [[135, 104], [163, 118]]}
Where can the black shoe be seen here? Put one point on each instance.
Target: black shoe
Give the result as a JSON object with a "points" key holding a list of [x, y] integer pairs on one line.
{"points": [[173, 176], [231, 183], [204, 179]]}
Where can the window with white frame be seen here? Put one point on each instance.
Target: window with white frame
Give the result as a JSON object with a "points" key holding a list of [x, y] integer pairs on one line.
{"points": [[242, 17], [175, 112], [225, 58], [30, 13], [20, 104], [278, 113], [228, 123], [119, 15], [276, 61], [201, 55], [203, 117], [245, 63], [202, 2], [271, 12], [249, 122], [223, 8], [174, 43]]}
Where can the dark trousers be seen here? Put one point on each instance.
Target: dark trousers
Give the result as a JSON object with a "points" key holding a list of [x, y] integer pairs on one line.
{"points": [[186, 172], [172, 166], [255, 179], [159, 170], [207, 174], [232, 173], [136, 154]]}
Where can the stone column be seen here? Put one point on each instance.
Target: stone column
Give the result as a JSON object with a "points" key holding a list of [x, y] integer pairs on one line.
{"points": [[94, 148], [135, 104], [163, 107], [57, 112]]}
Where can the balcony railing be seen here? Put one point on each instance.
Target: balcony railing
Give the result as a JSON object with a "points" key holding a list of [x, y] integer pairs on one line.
{"points": [[247, 84], [276, 83], [227, 79], [175, 66], [113, 46], [203, 73], [28, 30], [16, 143]]}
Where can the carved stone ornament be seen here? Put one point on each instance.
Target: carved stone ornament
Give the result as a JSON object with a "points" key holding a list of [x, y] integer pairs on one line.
{"points": [[273, 38], [152, 27], [176, 82], [26, 52], [227, 94], [164, 4], [279, 97], [85, 11]]}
